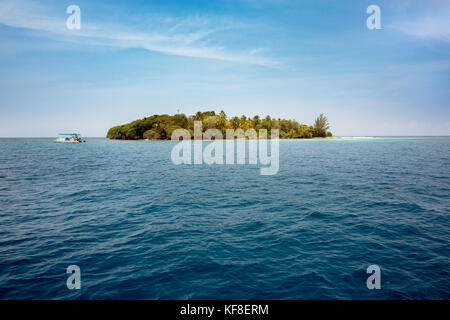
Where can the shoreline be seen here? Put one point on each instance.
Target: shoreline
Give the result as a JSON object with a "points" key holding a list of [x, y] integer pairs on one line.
{"points": [[313, 138]]}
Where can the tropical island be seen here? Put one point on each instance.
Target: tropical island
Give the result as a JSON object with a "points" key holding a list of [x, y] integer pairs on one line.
{"points": [[160, 127]]}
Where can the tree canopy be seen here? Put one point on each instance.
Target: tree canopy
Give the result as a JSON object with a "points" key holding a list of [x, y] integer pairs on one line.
{"points": [[321, 125], [160, 127]]}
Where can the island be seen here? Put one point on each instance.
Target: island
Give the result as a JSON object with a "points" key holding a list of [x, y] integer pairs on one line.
{"points": [[160, 127]]}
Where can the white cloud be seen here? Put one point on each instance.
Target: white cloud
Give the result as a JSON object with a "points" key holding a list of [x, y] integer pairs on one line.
{"points": [[189, 37]]}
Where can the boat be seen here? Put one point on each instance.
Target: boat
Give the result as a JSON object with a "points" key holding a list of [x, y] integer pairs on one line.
{"points": [[69, 138]]}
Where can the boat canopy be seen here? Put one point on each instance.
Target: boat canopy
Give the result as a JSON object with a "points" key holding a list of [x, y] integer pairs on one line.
{"points": [[69, 134]]}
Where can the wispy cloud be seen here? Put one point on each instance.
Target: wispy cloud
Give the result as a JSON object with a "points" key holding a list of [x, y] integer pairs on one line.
{"points": [[190, 37], [430, 26]]}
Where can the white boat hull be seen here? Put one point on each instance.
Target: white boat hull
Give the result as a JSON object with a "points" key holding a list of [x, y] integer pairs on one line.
{"points": [[67, 140]]}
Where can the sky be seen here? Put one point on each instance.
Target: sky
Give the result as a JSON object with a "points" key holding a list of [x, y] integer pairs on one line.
{"points": [[283, 58]]}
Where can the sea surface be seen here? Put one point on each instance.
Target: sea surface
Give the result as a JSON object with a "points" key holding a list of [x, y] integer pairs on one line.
{"points": [[141, 227]]}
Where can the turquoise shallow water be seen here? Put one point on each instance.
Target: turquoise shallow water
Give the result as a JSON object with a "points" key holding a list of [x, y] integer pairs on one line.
{"points": [[141, 227]]}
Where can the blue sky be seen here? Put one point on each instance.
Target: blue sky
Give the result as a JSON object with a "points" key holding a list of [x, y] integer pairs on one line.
{"points": [[290, 59]]}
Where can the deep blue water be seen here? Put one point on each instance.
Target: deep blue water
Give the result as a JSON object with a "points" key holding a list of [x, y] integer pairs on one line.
{"points": [[141, 227]]}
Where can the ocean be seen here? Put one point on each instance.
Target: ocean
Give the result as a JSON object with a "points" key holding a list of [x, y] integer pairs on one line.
{"points": [[140, 227]]}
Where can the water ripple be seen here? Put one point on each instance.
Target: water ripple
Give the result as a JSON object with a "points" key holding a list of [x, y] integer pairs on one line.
{"points": [[142, 228]]}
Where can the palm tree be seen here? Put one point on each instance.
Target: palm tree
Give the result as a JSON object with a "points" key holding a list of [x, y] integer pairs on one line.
{"points": [[198, 116], [256, 121], [321, 125], [235, 122]]}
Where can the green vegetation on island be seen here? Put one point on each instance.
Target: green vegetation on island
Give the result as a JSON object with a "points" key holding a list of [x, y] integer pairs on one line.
{"points": [[160, 127]]}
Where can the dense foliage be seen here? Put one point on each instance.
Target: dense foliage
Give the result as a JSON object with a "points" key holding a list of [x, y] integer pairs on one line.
{"points": [[160, 127]]}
